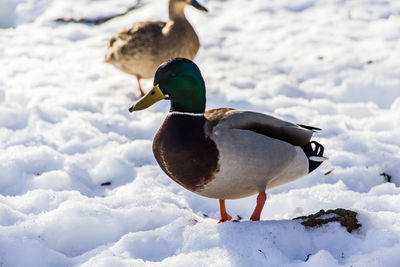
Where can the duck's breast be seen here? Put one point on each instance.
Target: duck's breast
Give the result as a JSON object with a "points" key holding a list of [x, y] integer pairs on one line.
{"points": [[184, 153]]}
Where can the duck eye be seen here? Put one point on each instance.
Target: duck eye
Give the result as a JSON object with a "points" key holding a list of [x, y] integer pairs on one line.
{"points": [[153, 92], [173, 74]]}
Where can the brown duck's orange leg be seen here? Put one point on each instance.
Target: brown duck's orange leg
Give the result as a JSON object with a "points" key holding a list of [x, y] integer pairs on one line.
{"points": [[140, 86], [260, 204], [224, 216]]}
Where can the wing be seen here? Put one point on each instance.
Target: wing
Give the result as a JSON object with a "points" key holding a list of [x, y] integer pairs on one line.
{"points": [[261, 124], [132, 39], [147, 28]]}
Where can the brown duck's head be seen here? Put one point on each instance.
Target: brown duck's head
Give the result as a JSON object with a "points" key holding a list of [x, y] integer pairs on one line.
{"points": [[182, 3]]}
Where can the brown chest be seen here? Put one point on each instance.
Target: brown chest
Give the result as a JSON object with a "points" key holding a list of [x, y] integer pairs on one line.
{"points": [[184, 153]]}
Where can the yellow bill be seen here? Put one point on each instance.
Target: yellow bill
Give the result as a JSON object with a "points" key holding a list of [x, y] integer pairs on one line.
{"points": [[149, 99]]}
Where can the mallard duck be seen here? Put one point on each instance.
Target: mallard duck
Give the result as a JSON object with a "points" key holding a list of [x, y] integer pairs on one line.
{"points": [[224, 153], [139, 49]]}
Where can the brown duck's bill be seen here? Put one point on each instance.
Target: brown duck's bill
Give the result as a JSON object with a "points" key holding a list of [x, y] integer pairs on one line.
{"points": [[153, 96], [197, 5]]}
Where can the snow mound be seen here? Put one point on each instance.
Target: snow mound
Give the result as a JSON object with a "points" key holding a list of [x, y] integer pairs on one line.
{"points": [[79, 185]]}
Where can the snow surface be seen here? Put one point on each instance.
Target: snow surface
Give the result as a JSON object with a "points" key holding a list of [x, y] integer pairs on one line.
{"points": [[65, 129]]}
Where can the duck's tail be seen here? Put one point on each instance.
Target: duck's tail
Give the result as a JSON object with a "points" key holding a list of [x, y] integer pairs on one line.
{"points": [[314, 152]]}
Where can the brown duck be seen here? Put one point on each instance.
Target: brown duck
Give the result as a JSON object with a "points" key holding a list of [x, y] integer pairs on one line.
{"points": [[139, 49]]}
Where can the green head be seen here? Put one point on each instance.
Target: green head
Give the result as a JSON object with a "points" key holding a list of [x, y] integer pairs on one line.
{"points": [[178, 80]]}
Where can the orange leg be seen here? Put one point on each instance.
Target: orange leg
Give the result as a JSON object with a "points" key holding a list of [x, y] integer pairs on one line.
{"points": [[140, 86], [260, 204], [224, 216]]}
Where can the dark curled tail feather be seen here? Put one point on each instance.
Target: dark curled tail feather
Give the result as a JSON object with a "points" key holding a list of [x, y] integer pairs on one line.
{"points": [[313, 149]]}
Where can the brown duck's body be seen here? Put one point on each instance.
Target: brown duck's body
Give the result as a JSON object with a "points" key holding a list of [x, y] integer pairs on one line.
{"points": [[139, 50]]}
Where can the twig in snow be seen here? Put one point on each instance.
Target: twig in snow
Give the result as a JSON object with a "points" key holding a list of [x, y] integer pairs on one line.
{"points": [[98, 21]]}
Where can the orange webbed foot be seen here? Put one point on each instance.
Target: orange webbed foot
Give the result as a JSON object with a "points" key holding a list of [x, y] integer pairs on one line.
{"points": [[228, 218]]}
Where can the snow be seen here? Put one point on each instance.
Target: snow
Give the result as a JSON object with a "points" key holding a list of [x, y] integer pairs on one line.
{"points": [[65, 130]]}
